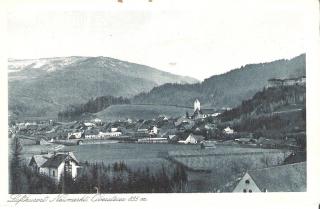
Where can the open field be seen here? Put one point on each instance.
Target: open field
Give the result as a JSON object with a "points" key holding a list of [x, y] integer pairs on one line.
{"points": [[225, 163], [116, 112]]}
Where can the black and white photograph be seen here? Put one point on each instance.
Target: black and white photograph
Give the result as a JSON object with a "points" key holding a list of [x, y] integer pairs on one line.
{"points": [[157, 97]]}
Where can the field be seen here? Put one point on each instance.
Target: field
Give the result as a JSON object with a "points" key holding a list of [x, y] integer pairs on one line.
{"points": [[222, 167], [225, 163], [116, 112]]}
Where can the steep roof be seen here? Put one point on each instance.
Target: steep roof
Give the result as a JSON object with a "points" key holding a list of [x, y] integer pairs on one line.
{"points": [[56, 160], [39, 159], [197, 137], [284, 178]]}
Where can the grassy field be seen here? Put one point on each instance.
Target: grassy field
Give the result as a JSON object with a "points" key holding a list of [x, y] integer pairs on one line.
{"points": [[224, 162], [224, 166], [116, 112], [136, 156]]}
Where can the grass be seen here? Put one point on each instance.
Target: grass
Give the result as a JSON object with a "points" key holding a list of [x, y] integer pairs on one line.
{"points": [[225, 162], [116, 112]]}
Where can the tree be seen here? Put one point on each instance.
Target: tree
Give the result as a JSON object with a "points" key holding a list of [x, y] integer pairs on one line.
{"points": [[15, 166]]}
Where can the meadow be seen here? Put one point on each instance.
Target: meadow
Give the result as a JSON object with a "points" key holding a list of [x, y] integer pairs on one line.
{"points": [[209, 170], [117, 112]]}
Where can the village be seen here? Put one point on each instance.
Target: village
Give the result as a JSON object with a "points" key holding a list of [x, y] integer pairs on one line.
{"points": [[198, 141]]}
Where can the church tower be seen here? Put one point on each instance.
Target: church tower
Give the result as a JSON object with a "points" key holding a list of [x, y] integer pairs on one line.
{"points": [[196, 105]]}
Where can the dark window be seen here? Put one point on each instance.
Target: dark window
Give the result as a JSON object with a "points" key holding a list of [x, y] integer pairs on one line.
{"points": [[250, 190], [53, 173], [244, 190], [247, 181]]}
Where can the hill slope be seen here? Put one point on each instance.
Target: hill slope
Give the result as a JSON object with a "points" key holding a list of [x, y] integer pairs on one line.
{"points": [[42, 87], [227, 89]]}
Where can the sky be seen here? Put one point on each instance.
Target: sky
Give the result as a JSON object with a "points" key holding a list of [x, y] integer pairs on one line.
{"points": [[193, 38]]}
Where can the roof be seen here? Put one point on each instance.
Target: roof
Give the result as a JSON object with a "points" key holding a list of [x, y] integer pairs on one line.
{"points": [[56, 160], [284, 178], [39, 159], [197, 137]]}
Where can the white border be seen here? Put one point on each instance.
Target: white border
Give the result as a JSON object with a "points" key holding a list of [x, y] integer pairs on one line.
{"points": [[309, 199]]}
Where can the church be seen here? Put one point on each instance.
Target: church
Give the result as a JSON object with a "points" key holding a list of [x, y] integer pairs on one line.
{"points": [[199, 113]]}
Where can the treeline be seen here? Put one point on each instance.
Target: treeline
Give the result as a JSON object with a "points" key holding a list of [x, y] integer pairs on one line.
{"points": [[73, 112], [261, 123], [98, 178], [118, 178], [95, 178], [266, 101]]}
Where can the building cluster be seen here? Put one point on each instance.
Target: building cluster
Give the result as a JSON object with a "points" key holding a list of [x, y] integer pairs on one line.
{"points": [[276, 82]]}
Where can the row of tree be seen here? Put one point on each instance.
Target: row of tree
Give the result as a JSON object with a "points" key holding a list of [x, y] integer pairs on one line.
{"points": [[98, 178], [73, 112]]}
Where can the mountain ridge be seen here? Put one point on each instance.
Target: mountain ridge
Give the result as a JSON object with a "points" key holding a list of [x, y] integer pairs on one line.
{"points": [[45, 86]]}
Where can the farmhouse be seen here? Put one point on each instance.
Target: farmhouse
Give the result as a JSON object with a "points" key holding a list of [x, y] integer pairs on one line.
{"points": [[55, 165], [76, 135], [284, 178], [153, 130], [228, 130], [192, 139]]}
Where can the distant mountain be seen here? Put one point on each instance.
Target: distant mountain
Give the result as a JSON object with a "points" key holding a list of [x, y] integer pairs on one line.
{"points": [[43, 87], [225, 90]]}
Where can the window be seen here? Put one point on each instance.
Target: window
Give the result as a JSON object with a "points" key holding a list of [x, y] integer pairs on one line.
{"points": [[250, 191], [53, 173], [244, 190], [247, 181]]}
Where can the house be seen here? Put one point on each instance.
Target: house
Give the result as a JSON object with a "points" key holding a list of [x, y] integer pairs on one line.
{"points": [[275, 82], [283, 178], [104, 135], [37, 161], [183, 120], [97, 121], [114, 129], [245, 140], [55, 165], [88, 124], [228, 130], [153, 130], [76, 135], [172, 138], [153, 140], [192, 139]]}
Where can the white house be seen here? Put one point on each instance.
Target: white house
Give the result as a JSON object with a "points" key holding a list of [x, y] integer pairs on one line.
{"points": [[228, 130], [109, 134], [283, 178], [114, 129], [55, 165], [88, 124], [192, 139], [75, 135], [153, 130], [96, 120]]}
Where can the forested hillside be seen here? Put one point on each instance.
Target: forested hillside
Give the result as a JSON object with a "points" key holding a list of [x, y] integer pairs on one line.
{"points": [[225, 90]]}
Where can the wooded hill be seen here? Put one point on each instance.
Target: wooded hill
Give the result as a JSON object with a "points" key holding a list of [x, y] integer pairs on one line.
{"points": [[74, 112], [225, 90]]}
